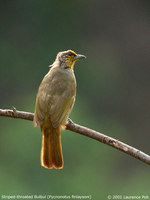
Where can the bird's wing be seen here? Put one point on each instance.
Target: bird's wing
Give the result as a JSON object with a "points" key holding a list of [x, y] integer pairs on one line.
{"points": [[40, 106]]}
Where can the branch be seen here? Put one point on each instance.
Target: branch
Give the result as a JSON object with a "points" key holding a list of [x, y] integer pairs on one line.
{"points": [[86, 132]]}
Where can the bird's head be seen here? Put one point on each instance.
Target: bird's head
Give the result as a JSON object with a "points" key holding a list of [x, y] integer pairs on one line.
{"points": [[68, 58]]}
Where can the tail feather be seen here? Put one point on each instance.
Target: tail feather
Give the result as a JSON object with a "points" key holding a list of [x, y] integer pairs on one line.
{"points": [[51, 153]]}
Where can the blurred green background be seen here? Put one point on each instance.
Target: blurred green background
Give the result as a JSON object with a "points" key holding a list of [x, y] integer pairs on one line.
{"points": [[113, 94]]}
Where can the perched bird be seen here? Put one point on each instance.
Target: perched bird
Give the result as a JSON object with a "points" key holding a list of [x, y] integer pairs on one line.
{"points": [[54, 102]]}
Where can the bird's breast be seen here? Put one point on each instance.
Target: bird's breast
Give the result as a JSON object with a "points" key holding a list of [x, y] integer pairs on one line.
{"points": [[63, 82]]}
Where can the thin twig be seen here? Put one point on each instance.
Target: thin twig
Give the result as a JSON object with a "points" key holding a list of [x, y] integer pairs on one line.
{"points": [[86, 132]]}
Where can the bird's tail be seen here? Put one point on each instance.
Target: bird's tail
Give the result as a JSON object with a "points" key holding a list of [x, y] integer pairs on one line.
{"points": [[51, 152]]}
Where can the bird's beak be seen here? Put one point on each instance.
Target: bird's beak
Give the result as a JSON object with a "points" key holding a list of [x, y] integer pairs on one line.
{"points": [[79, 56]]}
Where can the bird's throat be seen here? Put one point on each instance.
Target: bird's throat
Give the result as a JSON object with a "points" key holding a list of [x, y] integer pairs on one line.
{"points": [[70, 64]]}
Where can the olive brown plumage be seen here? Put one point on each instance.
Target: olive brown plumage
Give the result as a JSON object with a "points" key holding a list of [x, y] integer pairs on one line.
{"points": [[54, 102]]}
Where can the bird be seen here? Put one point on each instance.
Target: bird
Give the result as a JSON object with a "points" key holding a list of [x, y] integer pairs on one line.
{"points": [[54, 102]]}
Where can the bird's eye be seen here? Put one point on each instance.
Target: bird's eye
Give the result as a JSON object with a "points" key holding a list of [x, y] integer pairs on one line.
{"points": [[70, 54]]}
